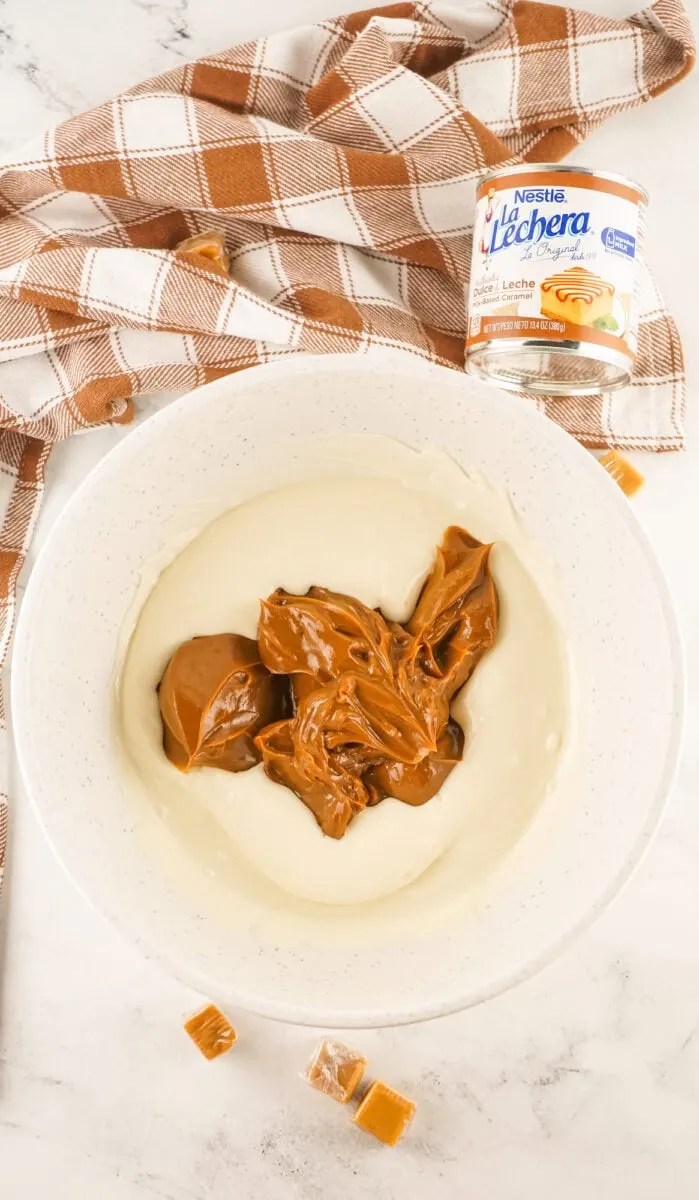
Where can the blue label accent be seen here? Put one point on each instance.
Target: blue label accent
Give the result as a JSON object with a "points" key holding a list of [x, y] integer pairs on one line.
{"points": [[619, 242]]}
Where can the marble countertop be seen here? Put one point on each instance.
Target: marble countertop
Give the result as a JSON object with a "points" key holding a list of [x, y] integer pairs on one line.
{"points": [[582, 1082]]}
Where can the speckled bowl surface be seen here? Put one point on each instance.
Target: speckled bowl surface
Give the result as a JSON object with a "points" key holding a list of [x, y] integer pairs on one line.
{"points": [[167, 480]]}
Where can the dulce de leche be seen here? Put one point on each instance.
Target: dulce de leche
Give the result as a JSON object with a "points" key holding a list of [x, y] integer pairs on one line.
{"points": [[214, 697], [343, 706]]}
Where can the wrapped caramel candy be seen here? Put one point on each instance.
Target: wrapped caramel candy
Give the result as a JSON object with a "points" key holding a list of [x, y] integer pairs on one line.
{"points": [[211, 1032], [335, 1070]]}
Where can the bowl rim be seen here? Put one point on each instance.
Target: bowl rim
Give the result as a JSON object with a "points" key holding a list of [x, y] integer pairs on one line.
{"points": [[397, 1015]]}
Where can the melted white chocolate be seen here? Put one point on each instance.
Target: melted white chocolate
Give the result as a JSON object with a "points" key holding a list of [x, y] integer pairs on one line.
{"points": [[370, 531]]}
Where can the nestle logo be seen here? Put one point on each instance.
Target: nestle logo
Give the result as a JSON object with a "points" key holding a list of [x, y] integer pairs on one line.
{"points": [[540, 195]]}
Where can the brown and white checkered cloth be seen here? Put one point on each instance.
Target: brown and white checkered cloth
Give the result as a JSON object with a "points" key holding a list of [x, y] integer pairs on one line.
{"points": [[339, 161]]}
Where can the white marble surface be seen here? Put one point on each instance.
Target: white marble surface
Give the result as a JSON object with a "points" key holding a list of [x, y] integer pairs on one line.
{"points": [[583, 1082]]}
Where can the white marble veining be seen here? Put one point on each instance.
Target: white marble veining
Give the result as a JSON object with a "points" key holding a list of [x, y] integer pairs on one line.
{"points": [[582, 1083]]}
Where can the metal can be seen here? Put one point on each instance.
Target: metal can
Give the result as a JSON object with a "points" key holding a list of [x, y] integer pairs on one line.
{"points": [[553, 305]]}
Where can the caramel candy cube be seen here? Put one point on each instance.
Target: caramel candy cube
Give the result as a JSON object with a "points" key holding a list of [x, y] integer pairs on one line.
{"points": [[209, 246], [211, 1031], [384, 1113], [335, 1070], [629, 479]]}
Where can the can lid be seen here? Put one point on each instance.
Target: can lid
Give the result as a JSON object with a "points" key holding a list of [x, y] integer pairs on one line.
{"points": [[563, 168]]}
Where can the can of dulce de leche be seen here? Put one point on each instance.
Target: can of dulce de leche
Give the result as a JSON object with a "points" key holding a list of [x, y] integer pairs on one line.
{"points": [[553, 304]]}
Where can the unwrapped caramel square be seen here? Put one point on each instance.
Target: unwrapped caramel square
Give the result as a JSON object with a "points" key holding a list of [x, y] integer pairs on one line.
{"points": [[384, 1113], [335, 1070], [211, 1031], [629, 479]]}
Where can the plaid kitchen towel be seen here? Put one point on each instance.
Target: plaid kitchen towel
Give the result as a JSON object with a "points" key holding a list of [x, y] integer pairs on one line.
{"points": [[339, 161]]}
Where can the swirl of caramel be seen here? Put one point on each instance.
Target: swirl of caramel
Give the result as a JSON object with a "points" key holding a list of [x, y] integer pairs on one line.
{"points": [[576, 284]]}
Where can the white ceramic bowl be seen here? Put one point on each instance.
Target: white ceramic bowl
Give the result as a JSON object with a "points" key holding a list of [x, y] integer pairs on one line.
{"points": [[166, 481]]}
